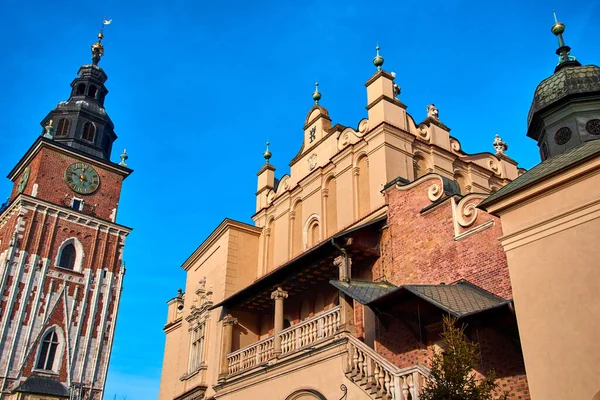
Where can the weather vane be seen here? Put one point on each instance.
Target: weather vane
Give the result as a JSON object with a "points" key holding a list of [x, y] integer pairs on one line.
{"points": [[98, 48]]}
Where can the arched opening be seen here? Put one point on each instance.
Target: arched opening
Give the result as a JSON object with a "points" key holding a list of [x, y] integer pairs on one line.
{"points": [[89, 131], [306, 394], [92, 91], [70, 255], [67, 257], [80, 89], [297, 229], [364, 206], [47, 353], [315, 237], [312, 231], [331, 206], [270, 244], [63, 127], [420, 166]]}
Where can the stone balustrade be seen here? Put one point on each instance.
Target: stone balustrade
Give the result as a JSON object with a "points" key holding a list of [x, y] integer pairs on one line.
{"points": [[250, 356], [381, 378], [307, 332]]}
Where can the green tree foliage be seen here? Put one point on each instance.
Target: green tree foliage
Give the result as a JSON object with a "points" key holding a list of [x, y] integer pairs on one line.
{"points": [[452, 376]]}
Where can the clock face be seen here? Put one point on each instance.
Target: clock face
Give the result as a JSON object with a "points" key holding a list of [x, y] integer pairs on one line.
{"points": [[82, 178], [23, 180]]}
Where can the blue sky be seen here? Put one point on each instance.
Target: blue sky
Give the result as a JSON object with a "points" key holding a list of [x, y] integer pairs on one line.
{"points": [[196, 88]]}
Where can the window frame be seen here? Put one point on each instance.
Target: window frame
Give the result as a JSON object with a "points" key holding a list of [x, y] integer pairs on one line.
{"points": [[58, 350], [83, 133], [79, 255]]}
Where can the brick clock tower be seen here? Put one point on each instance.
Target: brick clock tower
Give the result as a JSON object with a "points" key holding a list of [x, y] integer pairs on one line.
{"points": [[61, 270]]}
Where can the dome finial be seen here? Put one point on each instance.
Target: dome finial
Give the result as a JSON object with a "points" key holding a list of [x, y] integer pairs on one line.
{"points": [[98, 48], [378, 60], [564, 52], [267, 154], [124, 158], [316, 95], [49, 129]]}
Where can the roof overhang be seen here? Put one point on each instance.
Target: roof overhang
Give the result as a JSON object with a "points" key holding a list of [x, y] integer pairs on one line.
{"points": [[322, 253]]}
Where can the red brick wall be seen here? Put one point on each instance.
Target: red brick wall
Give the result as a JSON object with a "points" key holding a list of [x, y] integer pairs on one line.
{"points": [[420, 248], [48, 171]]}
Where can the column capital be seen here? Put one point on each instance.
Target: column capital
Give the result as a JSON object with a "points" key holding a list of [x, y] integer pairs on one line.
{"points": [[229, 320], [279, 294]]}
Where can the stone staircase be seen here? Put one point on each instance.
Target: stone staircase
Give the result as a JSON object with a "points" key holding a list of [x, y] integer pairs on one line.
{"points": [[381, 379]]}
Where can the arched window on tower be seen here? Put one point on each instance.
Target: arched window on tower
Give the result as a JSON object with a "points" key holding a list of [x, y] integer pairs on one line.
{"points": [[67, 257], [80, 89], [92, 91], [47, 352], [89, 131], [63, 127]]}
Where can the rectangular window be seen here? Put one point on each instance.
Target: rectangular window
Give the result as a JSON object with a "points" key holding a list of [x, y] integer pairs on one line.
{"points": [[77, 204], [197, 348]]}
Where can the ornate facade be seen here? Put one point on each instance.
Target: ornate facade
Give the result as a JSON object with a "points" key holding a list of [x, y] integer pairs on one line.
{"points": [[339, 287], [61, 271]]}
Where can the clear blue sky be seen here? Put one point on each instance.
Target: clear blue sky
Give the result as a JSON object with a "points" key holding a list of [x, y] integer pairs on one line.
{"points": [[196, 88]]}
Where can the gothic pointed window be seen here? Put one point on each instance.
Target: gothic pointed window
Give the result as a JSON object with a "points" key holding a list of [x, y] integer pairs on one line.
{"points": [[67, 257], [89, 131], [48, 351], [63, 127]]}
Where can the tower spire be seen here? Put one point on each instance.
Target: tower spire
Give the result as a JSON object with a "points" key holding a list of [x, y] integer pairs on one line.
{"points": [[267, 154], [98, 48], [564, 52]]}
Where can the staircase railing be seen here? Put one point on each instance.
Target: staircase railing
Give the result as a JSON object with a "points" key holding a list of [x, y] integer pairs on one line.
{"points": [[380, 377]]}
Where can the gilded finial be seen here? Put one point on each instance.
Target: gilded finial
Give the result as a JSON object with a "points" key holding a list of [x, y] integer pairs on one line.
{"points": [[49, 130], [378, 60], [267, 154], [564, 52], [124, 158], [316, 95], [98, 48]]}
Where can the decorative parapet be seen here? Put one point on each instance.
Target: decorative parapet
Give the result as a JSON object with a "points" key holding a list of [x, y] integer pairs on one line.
{"points": [[465, 214]]}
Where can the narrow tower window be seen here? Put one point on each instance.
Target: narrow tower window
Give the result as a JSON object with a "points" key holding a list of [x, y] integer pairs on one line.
{"points": [[63, 127], [48, 351], [89, 131], [92, 91], [67, 257], [80, 89]]}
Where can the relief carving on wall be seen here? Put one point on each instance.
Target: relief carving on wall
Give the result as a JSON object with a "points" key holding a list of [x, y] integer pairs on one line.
{"points": [[424, 132], [312, 162]]}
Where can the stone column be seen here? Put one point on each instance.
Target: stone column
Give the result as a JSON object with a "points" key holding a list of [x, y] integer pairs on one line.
{"points": [[278, 295], [227, 339]]}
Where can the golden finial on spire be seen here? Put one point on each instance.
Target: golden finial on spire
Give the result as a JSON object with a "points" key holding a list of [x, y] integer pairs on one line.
{"points": [[98, 48]]}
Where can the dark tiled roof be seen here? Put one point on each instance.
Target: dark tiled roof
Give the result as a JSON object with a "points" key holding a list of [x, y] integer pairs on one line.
{"points": [[459, 300], [43, 385], [364, 291], [565, 82], [546, 169]]}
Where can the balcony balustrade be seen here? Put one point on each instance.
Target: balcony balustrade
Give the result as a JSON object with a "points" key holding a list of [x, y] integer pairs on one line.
{"points": [[297, 337]]}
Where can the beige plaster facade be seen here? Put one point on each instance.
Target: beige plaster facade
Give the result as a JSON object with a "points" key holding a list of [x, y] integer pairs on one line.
{"points": [[551, 232], [335, 183]]}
